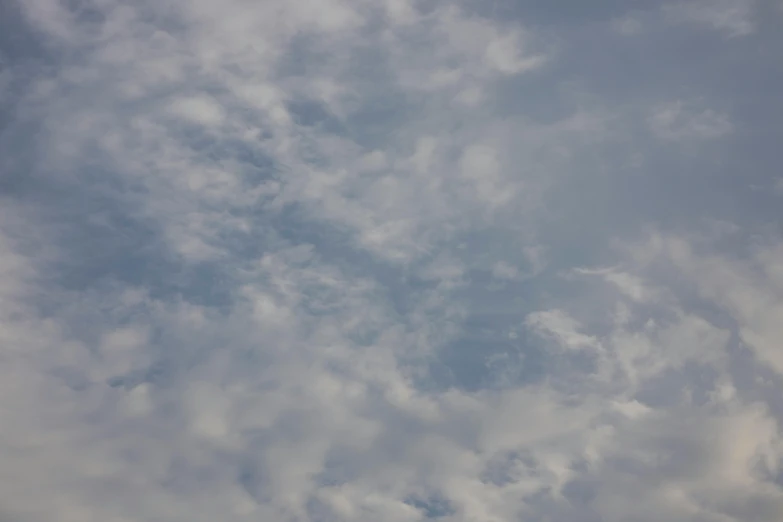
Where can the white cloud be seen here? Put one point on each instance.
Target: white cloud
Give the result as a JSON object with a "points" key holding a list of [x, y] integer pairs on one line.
{"points": [[562, 327], [734, 17], [503, 270], [479, 164], [199, 110], [249, 267], [676, 122], [752, 293], [474, 51], [627, 25], [502, 53]]}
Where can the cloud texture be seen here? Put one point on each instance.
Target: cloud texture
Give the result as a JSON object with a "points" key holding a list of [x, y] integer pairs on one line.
{"points": [[352, 260]]}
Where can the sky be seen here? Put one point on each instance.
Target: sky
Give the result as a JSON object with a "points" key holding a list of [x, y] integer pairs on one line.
{"points": [[391, 261]]}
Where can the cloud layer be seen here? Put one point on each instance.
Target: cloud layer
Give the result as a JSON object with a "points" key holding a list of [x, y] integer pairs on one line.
{"points": [[342, 260]]}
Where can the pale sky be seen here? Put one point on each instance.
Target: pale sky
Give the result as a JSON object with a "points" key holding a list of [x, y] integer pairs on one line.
{"points": [[391, 261]]}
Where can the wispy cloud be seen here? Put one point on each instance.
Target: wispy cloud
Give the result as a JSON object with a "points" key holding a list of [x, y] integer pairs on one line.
{"points": [[674, 121], [395, 261], [734, 17]]}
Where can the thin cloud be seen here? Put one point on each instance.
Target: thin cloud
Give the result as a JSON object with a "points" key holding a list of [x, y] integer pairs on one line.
{"points": [[305, 261]]}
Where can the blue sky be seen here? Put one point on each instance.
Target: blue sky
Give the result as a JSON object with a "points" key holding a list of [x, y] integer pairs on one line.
{"points": [[391, 260]]}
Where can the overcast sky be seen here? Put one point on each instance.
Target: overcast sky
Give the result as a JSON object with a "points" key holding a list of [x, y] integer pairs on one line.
{"points": [[391, 260]]}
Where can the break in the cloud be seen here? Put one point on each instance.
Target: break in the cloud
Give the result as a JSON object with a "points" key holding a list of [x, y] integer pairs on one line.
{"points": [[347, 260]]}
